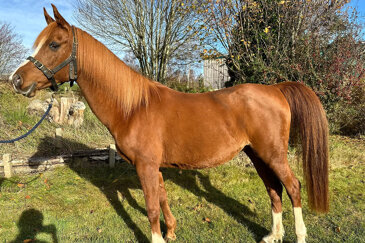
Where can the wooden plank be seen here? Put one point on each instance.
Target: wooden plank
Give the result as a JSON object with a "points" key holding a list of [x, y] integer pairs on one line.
{"points": [[27, 169], [36, 165], [8, 171], [61, 158], [112, 151], [58, 136]]}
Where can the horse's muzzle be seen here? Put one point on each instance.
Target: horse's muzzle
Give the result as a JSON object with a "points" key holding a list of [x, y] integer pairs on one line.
{"points": [[17, 82]]}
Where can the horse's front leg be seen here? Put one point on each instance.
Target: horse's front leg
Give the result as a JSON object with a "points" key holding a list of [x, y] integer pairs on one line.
{"points": [[169, 218], [148, 174]]}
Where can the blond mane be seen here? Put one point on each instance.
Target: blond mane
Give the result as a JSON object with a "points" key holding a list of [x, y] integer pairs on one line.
{"points": [[106, 71]]}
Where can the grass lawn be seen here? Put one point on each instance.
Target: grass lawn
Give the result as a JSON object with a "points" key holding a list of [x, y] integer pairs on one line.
{"points": [[15, 121], [96, 204], [225, 204]]}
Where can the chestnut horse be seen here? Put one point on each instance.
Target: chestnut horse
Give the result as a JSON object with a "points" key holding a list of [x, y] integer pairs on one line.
{"points": [[154, 126]]}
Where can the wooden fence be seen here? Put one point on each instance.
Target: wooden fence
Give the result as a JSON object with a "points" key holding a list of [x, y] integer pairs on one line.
{"points": [[10, 167]]}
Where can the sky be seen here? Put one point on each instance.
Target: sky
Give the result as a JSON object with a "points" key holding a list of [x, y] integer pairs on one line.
{"points": [[27, 19]]}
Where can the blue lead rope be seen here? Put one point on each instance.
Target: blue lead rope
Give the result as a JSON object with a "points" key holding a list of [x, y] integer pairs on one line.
{"points": [[33, 128]]}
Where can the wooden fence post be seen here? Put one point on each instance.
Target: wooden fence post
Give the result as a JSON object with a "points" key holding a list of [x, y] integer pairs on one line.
{"points": [[65, 105], [58, 137], [7, 166], [112, 150]]}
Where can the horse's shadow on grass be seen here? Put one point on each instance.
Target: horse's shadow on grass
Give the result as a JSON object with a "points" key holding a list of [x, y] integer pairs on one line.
{"points": [[231, 206], [124, 177]]}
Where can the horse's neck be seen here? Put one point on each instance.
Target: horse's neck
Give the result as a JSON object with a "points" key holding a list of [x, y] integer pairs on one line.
{"points": [[102, 106], [94, 85], [113, 90]]}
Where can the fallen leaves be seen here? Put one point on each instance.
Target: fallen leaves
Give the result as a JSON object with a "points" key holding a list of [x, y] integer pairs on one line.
{"points": [[46, 183], [28, 240], [19, 125], [21, 185], [206, 219], [198, 207], [338, 229]]}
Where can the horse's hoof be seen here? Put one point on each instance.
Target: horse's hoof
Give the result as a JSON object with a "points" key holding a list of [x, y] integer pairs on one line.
{"points": [[272, 239], [170, 237]]}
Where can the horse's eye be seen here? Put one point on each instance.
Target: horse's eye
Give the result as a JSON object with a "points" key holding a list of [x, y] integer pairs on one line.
{"points": [[54, 45]]}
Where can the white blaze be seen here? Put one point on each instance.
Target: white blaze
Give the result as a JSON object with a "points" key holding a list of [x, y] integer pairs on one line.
{"points": [[33, 55]]}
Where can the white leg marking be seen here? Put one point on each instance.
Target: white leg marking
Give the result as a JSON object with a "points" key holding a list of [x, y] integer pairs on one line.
{"points": [[156, 238], [300, 229], [277, 231], [26, 61]]}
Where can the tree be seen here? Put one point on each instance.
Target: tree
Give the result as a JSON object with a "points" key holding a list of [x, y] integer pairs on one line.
{"points": [[11, 49], [317, 42], [261, 37], [158, 32]]}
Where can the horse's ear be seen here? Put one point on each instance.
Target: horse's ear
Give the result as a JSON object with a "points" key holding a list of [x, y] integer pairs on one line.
{"points": [[49, 19], [59, 19]]}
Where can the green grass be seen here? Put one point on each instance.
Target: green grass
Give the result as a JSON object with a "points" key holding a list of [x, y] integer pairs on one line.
{"points": [[15, 121], [97, 204]]}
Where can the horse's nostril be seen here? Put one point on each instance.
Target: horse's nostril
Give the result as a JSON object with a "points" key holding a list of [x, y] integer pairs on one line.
{"points": [[17, 80]]}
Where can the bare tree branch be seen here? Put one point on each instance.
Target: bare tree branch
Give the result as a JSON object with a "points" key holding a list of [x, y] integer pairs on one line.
{"points": [[11, 49], [156, 32]]}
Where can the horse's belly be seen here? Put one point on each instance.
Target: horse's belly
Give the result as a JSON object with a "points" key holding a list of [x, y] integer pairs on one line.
{"points": [[198, 157]]}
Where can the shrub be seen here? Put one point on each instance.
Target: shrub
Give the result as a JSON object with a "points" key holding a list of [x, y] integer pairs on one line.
{"points": [[187, 87], [348, 118]]}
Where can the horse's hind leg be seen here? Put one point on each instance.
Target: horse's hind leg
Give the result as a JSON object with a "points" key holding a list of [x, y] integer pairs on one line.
{"points": [[169, 218], [292, 186], [276, 159], [274, 189]]}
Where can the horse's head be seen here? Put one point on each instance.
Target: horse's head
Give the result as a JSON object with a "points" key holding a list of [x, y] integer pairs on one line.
{"points": [[53, 61]]}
